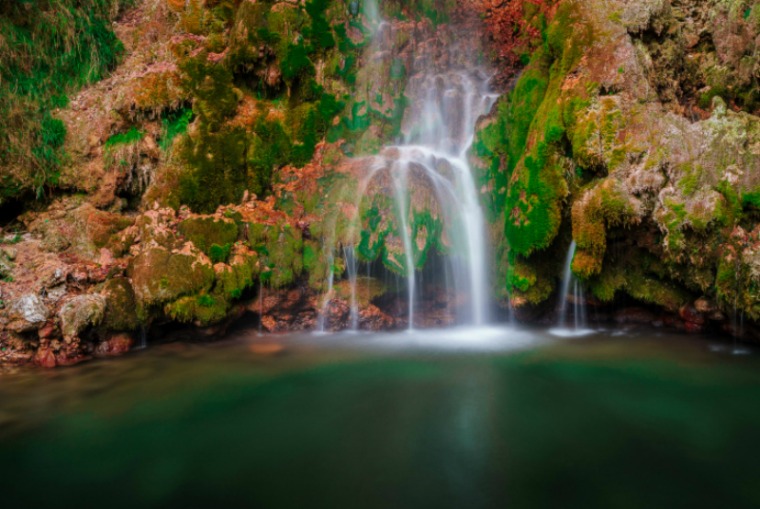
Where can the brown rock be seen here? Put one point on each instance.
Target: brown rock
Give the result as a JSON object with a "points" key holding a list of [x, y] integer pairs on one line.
{"points": [[690, 315], [117, 344], [47, 331], [704, 305], [45, 358], [635, 315]]}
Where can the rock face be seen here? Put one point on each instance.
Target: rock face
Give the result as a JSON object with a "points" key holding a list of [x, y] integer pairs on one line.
{"points": [[635, 132], [203, 177]]}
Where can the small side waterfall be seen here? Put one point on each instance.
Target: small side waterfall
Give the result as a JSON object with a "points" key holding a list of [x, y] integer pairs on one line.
{"points": [[423, 188], [571, 292]]}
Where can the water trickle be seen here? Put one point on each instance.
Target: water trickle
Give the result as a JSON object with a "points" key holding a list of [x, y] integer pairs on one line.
{"points": [[324, 312], [571, 292]]}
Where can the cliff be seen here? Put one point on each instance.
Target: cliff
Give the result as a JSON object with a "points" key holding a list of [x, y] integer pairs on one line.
{"points": [[192, 157]]}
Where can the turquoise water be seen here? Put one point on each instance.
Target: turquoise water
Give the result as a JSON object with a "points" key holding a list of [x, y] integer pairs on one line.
{"points": [[468, 419]]}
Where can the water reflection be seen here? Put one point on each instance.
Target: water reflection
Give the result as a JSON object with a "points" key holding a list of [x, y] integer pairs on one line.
{"points": [[495, 417]]}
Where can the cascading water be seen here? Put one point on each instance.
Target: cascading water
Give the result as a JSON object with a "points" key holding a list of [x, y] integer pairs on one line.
{"points": [[572, 291], [430, 186]]}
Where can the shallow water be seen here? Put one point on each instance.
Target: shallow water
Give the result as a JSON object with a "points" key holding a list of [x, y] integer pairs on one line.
{"points": [[460, 418]]}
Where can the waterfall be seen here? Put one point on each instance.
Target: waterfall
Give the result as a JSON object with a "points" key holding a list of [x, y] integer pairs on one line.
{"points": [[428, 179], [323, 313], [572, 291], [371, 12]]}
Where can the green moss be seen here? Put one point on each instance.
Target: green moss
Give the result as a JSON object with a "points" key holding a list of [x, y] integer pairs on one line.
{"points": [[219, 254], [121, 311], [319, 33], [751, 200], [174, 124], [132, 136], [202, 310], [210, 235], [536, 125], [211, 86], [50, 49], [641, 276], [216, 171], [606, 205], [159, 276], [281, 250], [296, 63], [270, 149]]}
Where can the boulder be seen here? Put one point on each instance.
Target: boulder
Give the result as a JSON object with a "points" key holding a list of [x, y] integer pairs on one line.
{"points": [[79, 313], [115, 345], [27, 313]]}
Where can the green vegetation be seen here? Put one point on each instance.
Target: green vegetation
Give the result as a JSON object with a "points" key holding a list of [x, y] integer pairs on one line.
{"points": [[47, 51]]}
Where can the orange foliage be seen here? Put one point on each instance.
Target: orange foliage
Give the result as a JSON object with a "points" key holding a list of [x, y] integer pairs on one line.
{"points": [[513, 28]]}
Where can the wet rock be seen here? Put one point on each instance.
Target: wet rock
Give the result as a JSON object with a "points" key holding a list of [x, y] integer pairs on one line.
{"points": [[45, 358], [56, 293], [373, 318], [56, 277], [81, 312], [121, 311], [704, 305], [635, 315], [116, 344], [159, 275], [48, 331], [27, 313], [694, 321]]}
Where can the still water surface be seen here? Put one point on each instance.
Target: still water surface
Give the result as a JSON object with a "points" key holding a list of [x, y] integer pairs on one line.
{"points": [[462, 419]]}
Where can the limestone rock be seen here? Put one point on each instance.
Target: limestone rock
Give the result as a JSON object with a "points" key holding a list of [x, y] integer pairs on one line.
{"points": [[81, 312], [27, 313]]}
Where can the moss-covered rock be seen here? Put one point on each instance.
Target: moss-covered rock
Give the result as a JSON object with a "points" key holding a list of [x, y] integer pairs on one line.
{"points": [[121, 306], [159, 275], [79, 313], [208, 231]]}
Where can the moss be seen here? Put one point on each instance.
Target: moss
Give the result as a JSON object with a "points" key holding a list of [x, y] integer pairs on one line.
{"points": [[526, 283], [201, 310], [219, 254], [211, 86], [270, 149], [173, 124], [216, 171], [49, 49], [207, 232], [281, 250], [239, 276], [132, 136], [319, 32], [606, 205], [641, 276], [536, 124], [751, 200], [121, 310], [160, 276]]}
